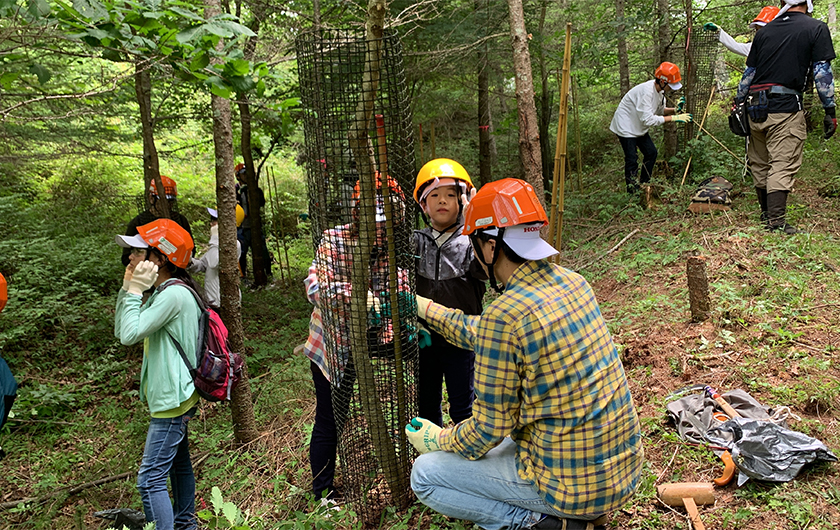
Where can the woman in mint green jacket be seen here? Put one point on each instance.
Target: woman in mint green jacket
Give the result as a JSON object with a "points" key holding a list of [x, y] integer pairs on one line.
{"points": [[159, 256]]}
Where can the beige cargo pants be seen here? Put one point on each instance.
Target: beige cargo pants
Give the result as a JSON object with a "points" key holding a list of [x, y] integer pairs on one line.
{"points": [[775, 150]]}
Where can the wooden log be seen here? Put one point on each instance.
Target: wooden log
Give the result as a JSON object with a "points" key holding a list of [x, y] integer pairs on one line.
{"points": [[698, 288]]}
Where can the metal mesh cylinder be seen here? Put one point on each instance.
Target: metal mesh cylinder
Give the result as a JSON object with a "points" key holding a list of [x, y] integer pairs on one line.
{"points": [[360, 175]]}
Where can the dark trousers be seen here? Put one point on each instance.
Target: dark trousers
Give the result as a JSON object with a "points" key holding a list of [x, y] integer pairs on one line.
{"points": [[322, 447], [456, 366], [631, 159], [244, 237]]}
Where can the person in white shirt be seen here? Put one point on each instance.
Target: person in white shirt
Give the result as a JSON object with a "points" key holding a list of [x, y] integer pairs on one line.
{"points": [[767, 14], [640, 109], [209, 263]]}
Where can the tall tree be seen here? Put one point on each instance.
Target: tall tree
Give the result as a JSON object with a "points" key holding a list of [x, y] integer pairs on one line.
{"points": [[623, 59], [529, 136], [258, 250], [485, 139], [242, 406], [663, 16], [546, 99]]}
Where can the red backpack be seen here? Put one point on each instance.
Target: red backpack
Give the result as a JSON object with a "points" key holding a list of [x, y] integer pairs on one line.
{"points": [[217, 369]]}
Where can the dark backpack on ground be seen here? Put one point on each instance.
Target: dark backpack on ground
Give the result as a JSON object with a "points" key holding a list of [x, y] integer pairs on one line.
{"points": [[216, 369]]}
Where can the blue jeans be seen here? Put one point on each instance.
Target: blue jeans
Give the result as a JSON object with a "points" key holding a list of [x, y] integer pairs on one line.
{"points": [[167, 453], [487, 491]]}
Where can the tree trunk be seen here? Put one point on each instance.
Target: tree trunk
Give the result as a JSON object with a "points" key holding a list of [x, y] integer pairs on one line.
{"points": [[623, 60], [529, 136], [151, 164], [258, 250], [254, 212], [241, 405], [546, 99], [485, 139], [663, 8]]}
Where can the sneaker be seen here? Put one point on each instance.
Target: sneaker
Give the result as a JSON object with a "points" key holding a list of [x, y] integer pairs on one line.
{"points": [[330, 505], [550, 522]]}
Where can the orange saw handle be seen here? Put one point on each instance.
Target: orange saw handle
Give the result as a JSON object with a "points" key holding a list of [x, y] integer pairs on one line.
{"points": [[728, 470]]}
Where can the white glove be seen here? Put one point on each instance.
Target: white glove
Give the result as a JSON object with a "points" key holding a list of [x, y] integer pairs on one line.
{"points": [[144, 276], [465, 200], [422, 306], [423, 435], [373, 302], [129, 271]]}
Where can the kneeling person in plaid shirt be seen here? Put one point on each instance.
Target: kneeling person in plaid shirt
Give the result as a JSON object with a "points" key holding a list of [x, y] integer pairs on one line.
{"points": [[554, 440]]}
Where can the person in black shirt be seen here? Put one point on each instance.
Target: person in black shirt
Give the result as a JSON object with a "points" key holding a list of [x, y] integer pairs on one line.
{"points": [[777, 68], [155, 212]]}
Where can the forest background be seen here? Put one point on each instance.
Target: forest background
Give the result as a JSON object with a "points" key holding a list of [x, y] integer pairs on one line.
{"points": [[73, 133]]}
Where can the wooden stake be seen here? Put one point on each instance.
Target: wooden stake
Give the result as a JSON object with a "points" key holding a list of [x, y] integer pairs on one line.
{"points": [[422, 161], [698, 288]]}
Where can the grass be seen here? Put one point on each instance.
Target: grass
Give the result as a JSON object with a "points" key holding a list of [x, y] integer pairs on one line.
{"points": [[772, 332]]}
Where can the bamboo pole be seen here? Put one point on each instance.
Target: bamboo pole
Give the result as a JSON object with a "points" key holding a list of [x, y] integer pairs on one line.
{"points": [[577, 135], [555, 229], [705, 112], [738, 158], [275, 209]]}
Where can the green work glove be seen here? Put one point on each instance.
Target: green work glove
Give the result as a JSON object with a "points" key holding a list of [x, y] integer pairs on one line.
{"points": [[680, 104], [405, 301], [681, 118], [423, 435], [711, 26], [143, 277], [424, 339], [422, 306]]}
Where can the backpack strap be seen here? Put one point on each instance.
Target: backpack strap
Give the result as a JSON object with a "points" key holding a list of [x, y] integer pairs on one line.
{"points": [[202, 324]]}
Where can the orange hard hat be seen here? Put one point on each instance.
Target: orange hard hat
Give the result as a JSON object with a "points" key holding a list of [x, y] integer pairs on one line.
{"points": [[170, 238], [4, 292], [503, 203], [766, 14], [169, 187], [397, 199], [443, 170], [670, 73]]}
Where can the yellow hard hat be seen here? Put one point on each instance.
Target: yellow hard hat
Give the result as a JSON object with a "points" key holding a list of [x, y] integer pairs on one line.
{"points": [[240, 215], [441, 168]]}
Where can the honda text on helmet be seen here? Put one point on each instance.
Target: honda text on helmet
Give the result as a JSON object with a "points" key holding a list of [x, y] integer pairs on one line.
{"points": [[507, 210], [669, 73], [165, 235], [169, 187]]}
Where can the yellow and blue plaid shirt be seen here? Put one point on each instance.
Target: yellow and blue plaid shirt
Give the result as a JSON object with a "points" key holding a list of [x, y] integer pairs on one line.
{"points": [[548, 375]]}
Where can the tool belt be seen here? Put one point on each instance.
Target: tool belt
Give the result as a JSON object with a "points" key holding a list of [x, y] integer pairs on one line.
{"points": [[757, 99]]}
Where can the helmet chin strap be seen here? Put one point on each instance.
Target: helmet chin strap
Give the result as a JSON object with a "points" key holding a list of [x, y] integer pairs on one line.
{"points": [[496, 248]]}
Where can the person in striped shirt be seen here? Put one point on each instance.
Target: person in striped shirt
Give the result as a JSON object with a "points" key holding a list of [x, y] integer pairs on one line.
{"points": [[554, 439]]}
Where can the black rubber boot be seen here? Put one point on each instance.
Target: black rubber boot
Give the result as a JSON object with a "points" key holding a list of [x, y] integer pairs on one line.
{"points": [[762, 202], [550, 522], [776, 211]]}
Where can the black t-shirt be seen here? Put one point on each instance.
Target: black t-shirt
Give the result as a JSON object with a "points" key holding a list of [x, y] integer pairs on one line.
{"points": [[784, 51]]}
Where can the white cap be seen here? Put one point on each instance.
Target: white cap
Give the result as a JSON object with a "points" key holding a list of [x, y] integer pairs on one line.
{"points": [[525, 240], [213, 213], [131, 241], [675, 86], [791, 3]]}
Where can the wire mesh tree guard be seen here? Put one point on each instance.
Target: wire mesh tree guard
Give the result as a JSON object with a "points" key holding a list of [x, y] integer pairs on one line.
{"points": [[701, 53], [359, 159]]}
